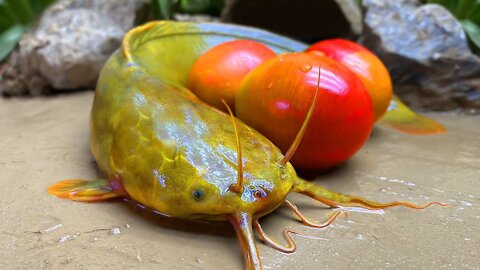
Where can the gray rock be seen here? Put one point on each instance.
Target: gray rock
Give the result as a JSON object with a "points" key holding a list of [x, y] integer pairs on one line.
{"points": [[12, 81], [426, 52], [68, 46]]}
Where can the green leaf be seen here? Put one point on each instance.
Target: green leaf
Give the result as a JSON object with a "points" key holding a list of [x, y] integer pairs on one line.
{"points": [[9, 39], [474, 14], [4, 23], [194, 6], [162, 9], [39, 5], [463, 7], [8, 17], [23, 10], [15, 15], [472, 30]]}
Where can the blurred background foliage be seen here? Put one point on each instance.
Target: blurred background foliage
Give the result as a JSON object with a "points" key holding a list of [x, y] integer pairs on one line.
{"points": [[164, 9]]}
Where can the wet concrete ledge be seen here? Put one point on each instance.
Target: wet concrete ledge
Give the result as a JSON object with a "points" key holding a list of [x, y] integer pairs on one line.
{"points": [[48, 141]]}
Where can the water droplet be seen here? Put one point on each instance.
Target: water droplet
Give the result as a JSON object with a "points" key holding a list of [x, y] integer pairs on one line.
{"points": [[115, 231], [67, 237], [465, 203], [270, 85], [53, 228], [306, 68]]}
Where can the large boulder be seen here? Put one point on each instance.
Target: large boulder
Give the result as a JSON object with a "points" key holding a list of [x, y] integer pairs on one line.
{"points": [[426, 52], [68, 46]]}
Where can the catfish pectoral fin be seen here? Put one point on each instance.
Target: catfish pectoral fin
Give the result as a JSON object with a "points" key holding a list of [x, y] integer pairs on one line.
{"points": [[83, 190]]}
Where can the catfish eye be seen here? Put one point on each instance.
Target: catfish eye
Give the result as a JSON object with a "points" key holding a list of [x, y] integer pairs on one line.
{"points": [[198, 194]]}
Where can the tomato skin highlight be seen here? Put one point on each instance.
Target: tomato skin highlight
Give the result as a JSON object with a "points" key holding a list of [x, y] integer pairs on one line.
{"points": [[218, 73], [368, 67], [281, 91]]}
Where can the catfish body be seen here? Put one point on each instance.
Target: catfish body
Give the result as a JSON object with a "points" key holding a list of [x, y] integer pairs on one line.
{"points": [[156, 143], [176, 154]]}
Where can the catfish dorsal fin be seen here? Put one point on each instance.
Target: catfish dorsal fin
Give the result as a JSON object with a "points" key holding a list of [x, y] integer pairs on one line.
{"points": [[303, 128]]}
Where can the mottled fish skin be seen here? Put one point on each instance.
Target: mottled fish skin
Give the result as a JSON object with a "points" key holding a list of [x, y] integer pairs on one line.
{"points": [[163, 144]]}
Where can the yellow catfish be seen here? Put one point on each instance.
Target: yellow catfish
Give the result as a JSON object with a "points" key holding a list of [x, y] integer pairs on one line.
{"points": [[158, 144]]}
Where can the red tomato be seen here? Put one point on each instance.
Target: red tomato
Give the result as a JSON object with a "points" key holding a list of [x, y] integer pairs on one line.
{"points": [[281, 91], [218, 73], [365, 65]]}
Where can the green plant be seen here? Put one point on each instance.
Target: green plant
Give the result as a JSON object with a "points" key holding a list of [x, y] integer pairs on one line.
{"points": [[164, 9], [15, 16], [468, 14]]}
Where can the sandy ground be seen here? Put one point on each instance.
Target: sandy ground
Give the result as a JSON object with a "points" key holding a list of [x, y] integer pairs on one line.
{"points": [[44, 140]]}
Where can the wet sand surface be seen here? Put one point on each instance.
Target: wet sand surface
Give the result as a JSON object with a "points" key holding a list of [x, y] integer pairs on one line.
{"points": [[44, 140]]}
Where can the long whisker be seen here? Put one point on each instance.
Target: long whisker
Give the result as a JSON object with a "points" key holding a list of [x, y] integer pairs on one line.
{"points": [[335, 199], [301, 132], [238, 187], [286, 234], [310, 223], [371, 205], [242, 223]]}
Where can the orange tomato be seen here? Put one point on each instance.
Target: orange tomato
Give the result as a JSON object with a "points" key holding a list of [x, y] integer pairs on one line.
{"points": [[281, 92], [365, 65], [218, 73]]}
